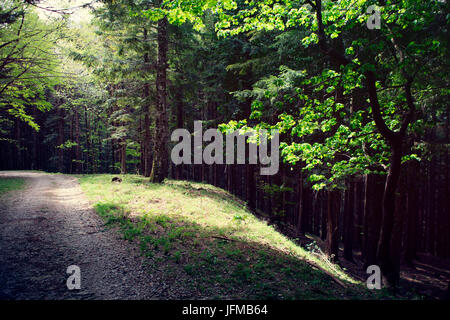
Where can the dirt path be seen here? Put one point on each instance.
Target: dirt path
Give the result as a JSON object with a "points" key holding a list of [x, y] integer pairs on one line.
{"points": [[48, 226]]}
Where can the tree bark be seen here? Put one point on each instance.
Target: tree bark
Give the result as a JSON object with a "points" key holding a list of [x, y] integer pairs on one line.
{"points": [[88, 140], [147, 161], [387, 265], [324, 212], [411, 233], [373, 212], [334, 203], [18, 139], [251, 186], [123, 158], [349, 221], [180, 125], [60, 139], [160, 169], [302, 213], [77, 141]]}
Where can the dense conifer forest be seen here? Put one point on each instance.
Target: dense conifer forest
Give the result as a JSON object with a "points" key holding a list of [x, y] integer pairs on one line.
{"points": [[357, 89]]}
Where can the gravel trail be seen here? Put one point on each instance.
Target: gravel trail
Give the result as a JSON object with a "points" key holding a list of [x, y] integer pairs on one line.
{"points": [[50, 225]]}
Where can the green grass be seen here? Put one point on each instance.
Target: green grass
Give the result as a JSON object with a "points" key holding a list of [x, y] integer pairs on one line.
{"points": [[207, 244], [10, 184]]}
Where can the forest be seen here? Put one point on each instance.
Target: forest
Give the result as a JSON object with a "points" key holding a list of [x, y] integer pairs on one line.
{"points": [[357, 89]]}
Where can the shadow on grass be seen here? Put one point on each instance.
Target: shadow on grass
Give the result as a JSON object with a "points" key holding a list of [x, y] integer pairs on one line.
{"points": [[200, 262]]}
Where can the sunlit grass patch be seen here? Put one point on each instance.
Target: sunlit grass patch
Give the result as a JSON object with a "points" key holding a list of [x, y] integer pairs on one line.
{"points": [[206, 236]]}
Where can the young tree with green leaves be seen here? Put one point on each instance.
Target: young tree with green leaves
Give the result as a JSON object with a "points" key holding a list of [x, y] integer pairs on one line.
{"points": [[396, 69], [28, 61]]}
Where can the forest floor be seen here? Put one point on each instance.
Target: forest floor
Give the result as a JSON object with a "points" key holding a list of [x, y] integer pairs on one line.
{"points": [[427, 276], [135, 240]]}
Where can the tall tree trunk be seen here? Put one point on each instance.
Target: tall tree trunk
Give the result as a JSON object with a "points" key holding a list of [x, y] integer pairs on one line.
{"points": [[147, 142], [123, 158], [306, 210], [180, 125], [251, 186], [113, 160], [160, 169], [141, 147], [445, 251], [18, 139], [373, 212], [96, 158], [301, 205], [324, 212], [88, 140], [77, 141], [334, 203], [71, 139], [349, 222], [60, 139], [397, 231], [388, 262], [34, 163], [313, 217], [432, 198], [358, 207], [384, 257], [411, 232], [147, 160]]}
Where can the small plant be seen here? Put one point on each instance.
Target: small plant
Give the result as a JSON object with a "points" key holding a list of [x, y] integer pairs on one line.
{"points": [[209, 257], [189, 269], [242, 272], [177, 256], [239, 218], [313, 247]]}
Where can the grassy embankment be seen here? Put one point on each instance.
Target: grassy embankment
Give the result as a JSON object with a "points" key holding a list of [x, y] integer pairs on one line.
{"points": [[208, 245]]}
